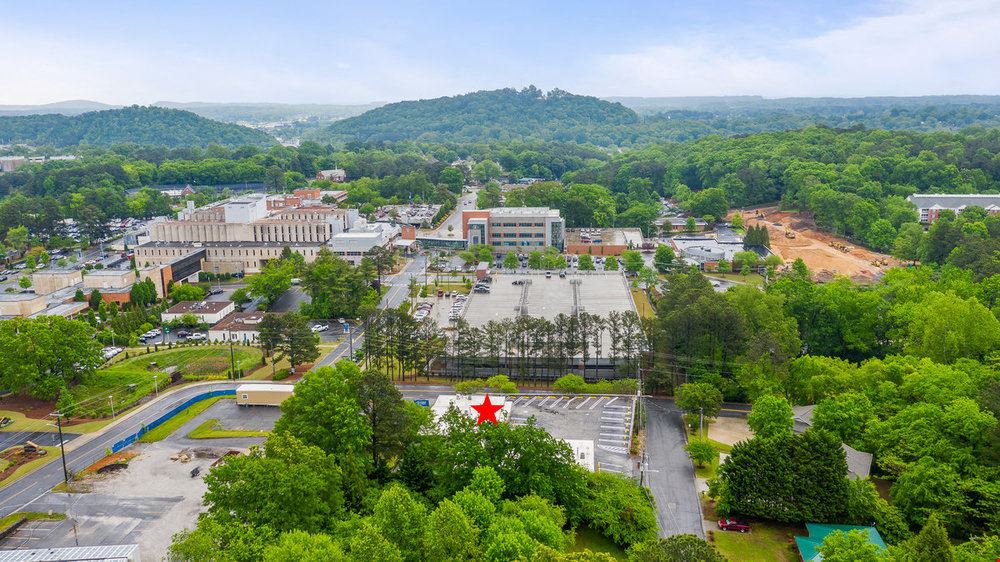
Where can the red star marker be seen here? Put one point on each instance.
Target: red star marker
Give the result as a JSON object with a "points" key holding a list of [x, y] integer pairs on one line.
{"points": [[487, 411]]}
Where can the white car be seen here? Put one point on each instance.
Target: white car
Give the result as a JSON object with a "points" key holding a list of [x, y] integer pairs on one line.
{"points": [[197, 336], [320, 328]]}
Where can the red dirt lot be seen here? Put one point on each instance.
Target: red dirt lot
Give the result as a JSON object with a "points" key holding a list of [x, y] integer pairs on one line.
{"points": [[30, 407], [814, 247]]}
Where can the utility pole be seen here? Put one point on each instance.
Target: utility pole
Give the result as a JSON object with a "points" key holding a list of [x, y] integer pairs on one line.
{"points": [[62, 449], [156, 387], [111, 399], [232, 359], [701, 422]]}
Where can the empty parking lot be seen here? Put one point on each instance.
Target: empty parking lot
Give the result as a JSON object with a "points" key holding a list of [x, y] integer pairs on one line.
{"points": [[604, 420], [592, 292]]}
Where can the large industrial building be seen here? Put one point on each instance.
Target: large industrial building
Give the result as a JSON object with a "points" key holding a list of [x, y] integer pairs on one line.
{"points": [[244, 233], [510, 228]]}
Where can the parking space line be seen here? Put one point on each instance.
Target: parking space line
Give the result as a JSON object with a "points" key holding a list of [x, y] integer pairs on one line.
{"points": [[542, 403], [594, 405], [568, 402], [611, 401], [589, 398], [558, 400]]}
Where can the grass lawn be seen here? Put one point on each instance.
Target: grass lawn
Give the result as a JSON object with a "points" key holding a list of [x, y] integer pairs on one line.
{"points": [[6, 522], [708, 470], [264, 373], [459, 287], [29, 467], [210, 430], [751, 279], [767, 542], [174, 423], [587, 538], [642, 303], [24, 423], [117, 380]]}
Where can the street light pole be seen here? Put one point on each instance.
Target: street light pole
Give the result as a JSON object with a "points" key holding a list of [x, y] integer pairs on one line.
{"points": [[701, 422], [112, 400], [156, 387]]}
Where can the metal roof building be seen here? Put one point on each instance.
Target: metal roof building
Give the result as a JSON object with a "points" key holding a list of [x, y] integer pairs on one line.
{"points": [[109, 553]]}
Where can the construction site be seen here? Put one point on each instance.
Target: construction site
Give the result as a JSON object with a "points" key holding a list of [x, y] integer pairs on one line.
{"points": [[794, 235]]}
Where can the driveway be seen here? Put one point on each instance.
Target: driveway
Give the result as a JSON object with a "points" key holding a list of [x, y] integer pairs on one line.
{"points": [[670, 474]]}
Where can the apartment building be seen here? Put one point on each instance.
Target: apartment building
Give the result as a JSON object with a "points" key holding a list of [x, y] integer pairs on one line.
{"points": [[930, 205], [507, 228]]}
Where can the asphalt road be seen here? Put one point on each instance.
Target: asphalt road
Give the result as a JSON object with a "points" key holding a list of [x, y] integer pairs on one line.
{"points": [[466, 202], [88, 449], [45, 438], [669, 472], [397, 292]]}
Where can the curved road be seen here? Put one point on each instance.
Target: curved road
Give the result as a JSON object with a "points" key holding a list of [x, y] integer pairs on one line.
{"points": [[87, 449]]}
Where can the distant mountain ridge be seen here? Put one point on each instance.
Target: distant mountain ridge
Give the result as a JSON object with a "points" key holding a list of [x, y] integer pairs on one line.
{"points": [[136, 124], [483, 115], [67, 107], [262, 112]]}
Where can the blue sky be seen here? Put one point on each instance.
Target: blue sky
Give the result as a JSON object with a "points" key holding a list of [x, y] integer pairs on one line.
{"points": [[356, 52]]}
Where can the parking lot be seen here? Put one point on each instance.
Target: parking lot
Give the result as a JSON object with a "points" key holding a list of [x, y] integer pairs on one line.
{"points": [[604, 420], [546, 297], [150, 500]]}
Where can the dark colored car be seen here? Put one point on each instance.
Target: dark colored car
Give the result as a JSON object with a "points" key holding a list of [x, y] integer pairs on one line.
{"points": [[734, 525]]}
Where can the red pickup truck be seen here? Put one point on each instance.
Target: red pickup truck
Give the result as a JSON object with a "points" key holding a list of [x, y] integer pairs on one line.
{"points": [[734, 525]]}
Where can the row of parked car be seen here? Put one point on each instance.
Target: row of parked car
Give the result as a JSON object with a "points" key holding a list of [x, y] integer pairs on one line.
{"points": [[423, 309], [456, 307], [481, 286]]}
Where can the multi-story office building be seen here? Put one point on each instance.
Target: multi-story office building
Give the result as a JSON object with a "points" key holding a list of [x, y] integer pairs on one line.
{"points": [[247, 219], [506, 228], [244, 233]]}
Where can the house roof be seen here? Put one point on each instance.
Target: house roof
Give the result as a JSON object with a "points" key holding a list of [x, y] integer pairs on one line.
{"points": [[859, 463], [808, 545]]}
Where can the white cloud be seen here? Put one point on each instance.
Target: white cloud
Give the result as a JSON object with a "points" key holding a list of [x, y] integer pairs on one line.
{"points": [[921, 47]]}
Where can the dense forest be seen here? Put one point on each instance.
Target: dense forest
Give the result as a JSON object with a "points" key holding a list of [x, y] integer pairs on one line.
{"points": [[560, 116], [498, 114], [135, 124], [855, 182]]}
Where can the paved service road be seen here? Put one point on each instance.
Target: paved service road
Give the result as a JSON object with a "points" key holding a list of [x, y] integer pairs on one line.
{"points": [[89, 448], [670, 474]]}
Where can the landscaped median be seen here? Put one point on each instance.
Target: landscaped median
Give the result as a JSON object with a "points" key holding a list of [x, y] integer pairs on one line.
{"points": [[15, 468], [163, 430], [210, 429]]}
